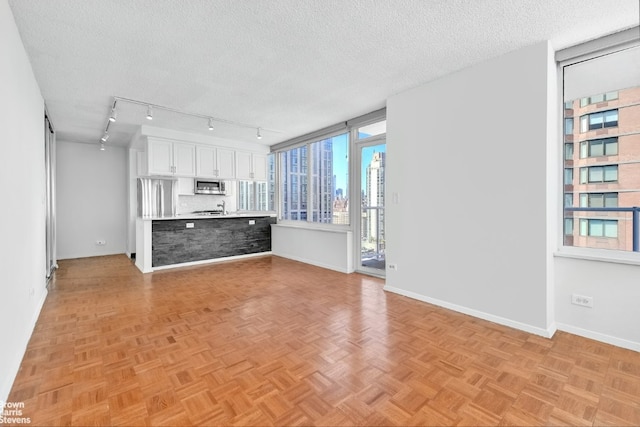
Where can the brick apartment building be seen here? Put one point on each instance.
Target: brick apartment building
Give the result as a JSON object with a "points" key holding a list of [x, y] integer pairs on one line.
{"points": [[602, 168]]}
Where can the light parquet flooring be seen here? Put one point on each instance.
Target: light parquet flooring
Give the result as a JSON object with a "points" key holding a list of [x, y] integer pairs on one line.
{"points": [[270, 341]]}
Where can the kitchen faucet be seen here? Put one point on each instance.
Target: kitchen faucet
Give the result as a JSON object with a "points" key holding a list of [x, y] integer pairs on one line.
{"points": [[222, 205]]}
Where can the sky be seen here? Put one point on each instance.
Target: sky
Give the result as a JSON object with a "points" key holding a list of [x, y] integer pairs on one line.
{"points": [[341, 161]]}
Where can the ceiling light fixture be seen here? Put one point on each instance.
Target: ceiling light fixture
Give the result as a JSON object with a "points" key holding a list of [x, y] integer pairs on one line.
{"points": [[149, 116], [104, 137], [102, 146]]}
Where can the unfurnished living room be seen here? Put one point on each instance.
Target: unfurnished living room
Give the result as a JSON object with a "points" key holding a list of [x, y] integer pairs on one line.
{"points": [[301, 212]]}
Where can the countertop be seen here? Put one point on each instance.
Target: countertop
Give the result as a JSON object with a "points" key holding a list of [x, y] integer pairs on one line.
{"points": [[196, 216]]}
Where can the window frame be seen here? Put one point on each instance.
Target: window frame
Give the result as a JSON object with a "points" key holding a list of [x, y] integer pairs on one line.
{"points": [[586, 119], [606, 142], [611, 44], [308, 221], [348, 127], [590, 224]]}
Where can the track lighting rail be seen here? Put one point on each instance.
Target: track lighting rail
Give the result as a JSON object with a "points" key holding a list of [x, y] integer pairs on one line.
{"points": [[209, 120]]}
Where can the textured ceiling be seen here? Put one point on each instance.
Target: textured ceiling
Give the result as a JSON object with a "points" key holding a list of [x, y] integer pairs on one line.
{"points": [[289, 66]]}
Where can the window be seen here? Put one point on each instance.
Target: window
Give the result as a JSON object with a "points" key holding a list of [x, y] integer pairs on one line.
{"points": [[258, 195], [599, 174], [599, 227], [603, 119], [601, 88], [568, 176], [293, 193], [568, 226], [599, 147], [594, 99], [315, 180], [568, 200], [568, 151], [568, 126], [598, 200]]}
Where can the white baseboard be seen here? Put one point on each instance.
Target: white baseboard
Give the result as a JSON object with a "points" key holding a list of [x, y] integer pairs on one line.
{"points": [[546, 333], [618, 342], [12, 371], [313, 262]]}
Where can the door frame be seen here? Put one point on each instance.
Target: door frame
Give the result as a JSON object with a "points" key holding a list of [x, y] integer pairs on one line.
{"points": [[358, 145]]}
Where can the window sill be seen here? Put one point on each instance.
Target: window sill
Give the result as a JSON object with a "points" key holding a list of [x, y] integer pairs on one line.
{"points": [[600, 255]]}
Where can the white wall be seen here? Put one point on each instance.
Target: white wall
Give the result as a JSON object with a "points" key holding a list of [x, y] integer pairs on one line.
{"points": [[615, 289], [92, 200], [22, 217], [326, 248], [467, 155]]}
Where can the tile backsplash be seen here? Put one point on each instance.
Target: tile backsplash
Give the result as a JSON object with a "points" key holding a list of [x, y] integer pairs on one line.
{"points": [[202, 202]]}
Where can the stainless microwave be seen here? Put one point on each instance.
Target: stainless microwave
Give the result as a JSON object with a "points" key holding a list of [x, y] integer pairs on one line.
{"points": [[209, 187]]}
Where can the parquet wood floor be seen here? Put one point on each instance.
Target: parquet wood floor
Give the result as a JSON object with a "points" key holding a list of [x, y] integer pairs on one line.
{"points": [[270, 341]]}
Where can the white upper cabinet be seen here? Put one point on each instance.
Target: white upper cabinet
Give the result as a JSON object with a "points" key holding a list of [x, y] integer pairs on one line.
{"points": [[259, 162], [184, 159], [170, 158], [215, 162], [251, 166], [159, 157]]}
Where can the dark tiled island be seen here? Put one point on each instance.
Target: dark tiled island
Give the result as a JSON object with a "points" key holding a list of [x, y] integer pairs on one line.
{"points": [[169, 242]]}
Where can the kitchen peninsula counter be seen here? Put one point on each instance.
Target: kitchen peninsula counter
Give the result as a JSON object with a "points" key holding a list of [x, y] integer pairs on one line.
{"points": [[201, 216], [190, 239]]}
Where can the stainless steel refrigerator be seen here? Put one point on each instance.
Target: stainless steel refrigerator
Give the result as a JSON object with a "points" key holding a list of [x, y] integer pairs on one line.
{"points": [[157, 197]]}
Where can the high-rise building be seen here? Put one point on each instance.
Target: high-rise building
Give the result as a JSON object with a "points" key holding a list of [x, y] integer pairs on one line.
{"points": [[374, 218], [602, 169], [295, 186]]}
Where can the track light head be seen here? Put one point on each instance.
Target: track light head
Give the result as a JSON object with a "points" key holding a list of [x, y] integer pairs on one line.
{"points": [[112, 117], [104, 137], [210, 124], [149, 113], [258, 134], [102, 146]]}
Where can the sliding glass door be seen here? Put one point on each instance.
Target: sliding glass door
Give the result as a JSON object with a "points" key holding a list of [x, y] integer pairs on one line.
{"points": [[372, 159], [50, 220]]}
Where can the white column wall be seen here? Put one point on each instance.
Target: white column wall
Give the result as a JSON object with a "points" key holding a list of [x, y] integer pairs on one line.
{"points": [[92, 198], [22, 217], [467, 188]]}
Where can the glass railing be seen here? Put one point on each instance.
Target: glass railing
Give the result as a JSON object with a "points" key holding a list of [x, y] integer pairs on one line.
{"points": [[372, 252]]}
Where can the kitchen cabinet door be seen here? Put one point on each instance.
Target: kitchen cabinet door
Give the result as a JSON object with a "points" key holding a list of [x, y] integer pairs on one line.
{"points": [[226, 160], [244, 170], [215, 162], [184, 159], [171, 158], [206, 162], [185, 186], [251, 166], [259, 163], [160, 157]]}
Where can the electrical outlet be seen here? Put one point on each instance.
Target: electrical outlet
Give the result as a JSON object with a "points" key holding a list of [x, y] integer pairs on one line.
{"points": [[190, 225], [582, 300], [252, 222], [393, 266], [101, 242]]}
